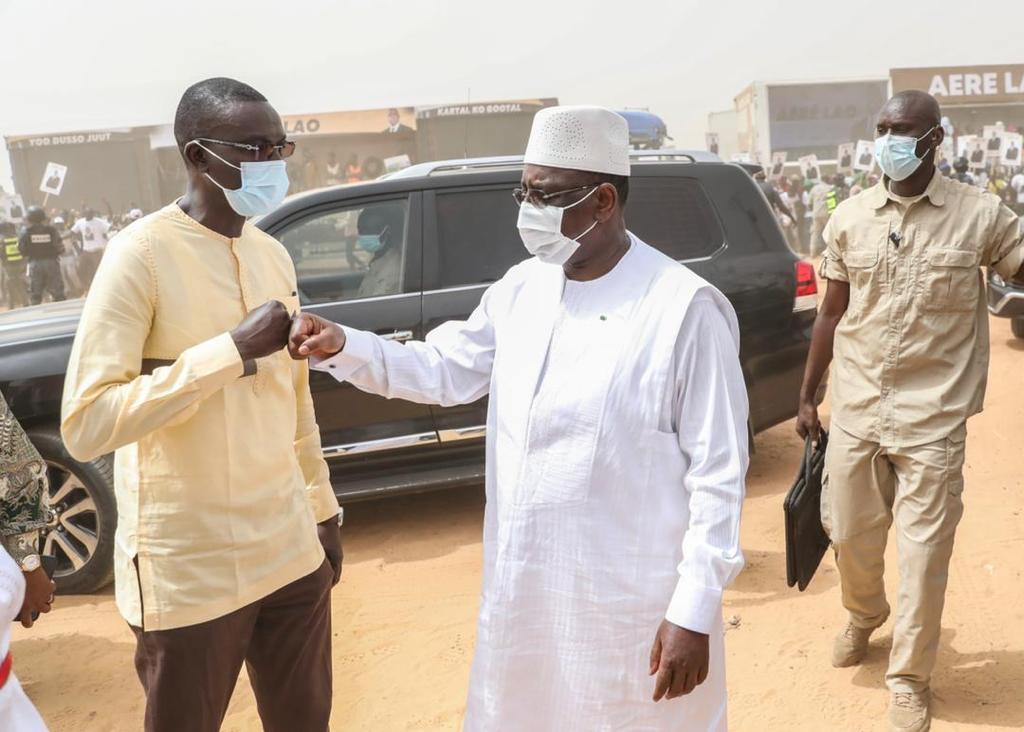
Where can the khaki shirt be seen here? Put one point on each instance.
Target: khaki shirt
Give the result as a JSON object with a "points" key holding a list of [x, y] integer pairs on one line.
{"points": [[912, 351], [220, 478]]}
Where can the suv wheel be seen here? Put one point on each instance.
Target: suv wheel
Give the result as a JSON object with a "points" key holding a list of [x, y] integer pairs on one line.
{"points": [[1017, 324], [83, 516]]}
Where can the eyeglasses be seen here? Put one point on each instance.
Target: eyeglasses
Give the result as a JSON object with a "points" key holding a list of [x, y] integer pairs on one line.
{"points": [[263, 151], [539, 198]]}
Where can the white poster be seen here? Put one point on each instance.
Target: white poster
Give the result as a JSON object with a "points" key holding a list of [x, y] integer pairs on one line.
{"points": [[1009, 154], [864, 157], [741, 158], [53, 178], [12, 208], [809, 168], [398, 162], [844, 157], [963, 144], [778, 164], [711, 138], [976, 153], [993, 136]]}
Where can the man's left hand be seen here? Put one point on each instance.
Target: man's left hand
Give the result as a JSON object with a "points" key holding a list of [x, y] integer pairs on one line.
{"points": [[330, 538], [39, 591], [679, 657]]}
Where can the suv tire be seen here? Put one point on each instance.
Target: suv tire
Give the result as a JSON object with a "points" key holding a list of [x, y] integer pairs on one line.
{"points": [[81, 531], [1017, 324]]}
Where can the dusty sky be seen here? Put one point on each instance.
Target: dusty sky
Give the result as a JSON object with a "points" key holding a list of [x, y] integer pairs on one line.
{"points": [[108, 63]]}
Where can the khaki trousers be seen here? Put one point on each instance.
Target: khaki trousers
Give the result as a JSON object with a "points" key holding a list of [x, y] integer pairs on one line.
{"points": [[866, 485]]}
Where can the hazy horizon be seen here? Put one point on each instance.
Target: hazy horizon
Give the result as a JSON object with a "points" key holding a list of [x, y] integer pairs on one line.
{"points": [[123, 64]]}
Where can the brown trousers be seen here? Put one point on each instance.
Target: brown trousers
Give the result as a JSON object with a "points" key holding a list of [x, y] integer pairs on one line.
{"points": [[284, 639]]}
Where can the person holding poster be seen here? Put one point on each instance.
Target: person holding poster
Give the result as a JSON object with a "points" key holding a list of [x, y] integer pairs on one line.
{"points": [[820, 211]]}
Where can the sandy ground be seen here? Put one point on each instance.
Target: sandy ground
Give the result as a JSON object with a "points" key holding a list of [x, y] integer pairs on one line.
{"points": [[404, 613]]}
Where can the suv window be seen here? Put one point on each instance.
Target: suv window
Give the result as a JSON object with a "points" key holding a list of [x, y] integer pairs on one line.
{"points": [[477, 235], [674, 215], [352, 252]]}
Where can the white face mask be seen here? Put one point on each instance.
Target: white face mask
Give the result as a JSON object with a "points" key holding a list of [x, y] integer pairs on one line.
{"points": [[540, 228]]}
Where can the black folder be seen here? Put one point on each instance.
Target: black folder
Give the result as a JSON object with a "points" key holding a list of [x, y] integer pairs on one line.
{"points": [[806, 541]]}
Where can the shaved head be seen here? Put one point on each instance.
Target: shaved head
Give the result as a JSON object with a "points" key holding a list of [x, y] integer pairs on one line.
{"points": [[915, 114], [914, 104]]}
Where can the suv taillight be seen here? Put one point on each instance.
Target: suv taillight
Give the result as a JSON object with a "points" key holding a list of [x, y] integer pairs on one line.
{"points": [[806, 288]]}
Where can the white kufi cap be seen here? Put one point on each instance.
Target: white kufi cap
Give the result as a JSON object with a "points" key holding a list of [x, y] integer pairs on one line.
{"points": [[580, 138]]}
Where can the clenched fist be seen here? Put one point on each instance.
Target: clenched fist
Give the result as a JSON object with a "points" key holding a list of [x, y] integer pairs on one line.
{"points": [[263, 331], [313, 336]]}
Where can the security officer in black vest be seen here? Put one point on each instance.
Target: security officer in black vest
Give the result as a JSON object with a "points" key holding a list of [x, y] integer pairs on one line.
{"points": [[41, 245], [15, 283]]}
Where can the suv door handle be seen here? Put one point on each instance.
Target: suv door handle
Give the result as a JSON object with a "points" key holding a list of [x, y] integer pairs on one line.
{"points": [[399, 335]]}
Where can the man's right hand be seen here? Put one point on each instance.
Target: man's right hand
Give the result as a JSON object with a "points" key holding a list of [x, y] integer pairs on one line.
{"points": [[807, 422], [263, 331], [314, 336]]}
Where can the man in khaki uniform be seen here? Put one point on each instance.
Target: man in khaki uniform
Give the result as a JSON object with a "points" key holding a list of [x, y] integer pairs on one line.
{"points": [[904, 318]]}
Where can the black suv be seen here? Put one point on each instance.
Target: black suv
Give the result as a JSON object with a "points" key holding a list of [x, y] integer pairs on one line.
{"points": [[457, 222], [1006, 300]]}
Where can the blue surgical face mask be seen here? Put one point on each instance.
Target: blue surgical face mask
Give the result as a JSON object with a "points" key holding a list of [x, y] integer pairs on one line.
{"points": [[372, 243], [264, 185], [897, 154]]}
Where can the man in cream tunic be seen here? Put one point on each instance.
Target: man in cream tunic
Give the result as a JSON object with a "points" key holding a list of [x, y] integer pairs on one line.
{"points": [[616, 453]]}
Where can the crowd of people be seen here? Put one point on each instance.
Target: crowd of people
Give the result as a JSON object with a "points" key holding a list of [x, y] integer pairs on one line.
{"points": [[310, 172], [53, 255], [803, 206]]}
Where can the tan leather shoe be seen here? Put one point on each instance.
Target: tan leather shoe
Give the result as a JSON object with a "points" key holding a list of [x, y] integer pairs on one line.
{"points": [[851, 645], [909, 712]]}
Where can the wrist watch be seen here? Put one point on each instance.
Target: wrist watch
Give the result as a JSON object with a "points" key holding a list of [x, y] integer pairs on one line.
{"points": [[30, 563]]}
